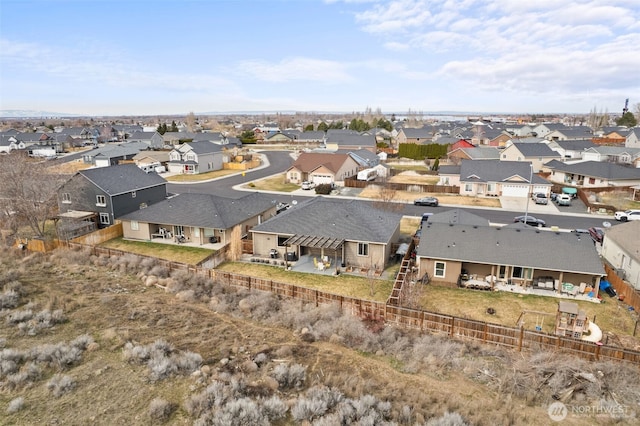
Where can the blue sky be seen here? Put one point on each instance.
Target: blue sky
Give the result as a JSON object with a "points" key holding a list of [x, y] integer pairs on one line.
{"points": [[146, 57]]}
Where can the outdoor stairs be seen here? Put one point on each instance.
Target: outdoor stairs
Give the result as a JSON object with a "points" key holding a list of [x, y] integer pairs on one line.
{"points": [[396, 292]]}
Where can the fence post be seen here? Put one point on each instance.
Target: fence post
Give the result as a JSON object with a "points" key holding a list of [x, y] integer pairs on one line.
{"points": [[316, 298], [451, 331], [421, 320], [520, 339], [484, 335], [597, 353]]}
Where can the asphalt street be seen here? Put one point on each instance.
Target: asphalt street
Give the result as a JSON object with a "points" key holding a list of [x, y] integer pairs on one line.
{"points": [[279, 161]]}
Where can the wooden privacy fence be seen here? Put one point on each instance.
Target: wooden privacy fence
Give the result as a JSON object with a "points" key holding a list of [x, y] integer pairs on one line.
{"points": [[625, 291], [411, 319], [410, 187]]}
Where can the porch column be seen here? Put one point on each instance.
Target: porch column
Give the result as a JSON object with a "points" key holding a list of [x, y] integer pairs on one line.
{"points": [[597, 287], [560, 279]]}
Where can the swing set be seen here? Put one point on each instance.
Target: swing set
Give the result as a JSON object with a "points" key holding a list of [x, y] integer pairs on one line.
{"points": [[539, 318]]}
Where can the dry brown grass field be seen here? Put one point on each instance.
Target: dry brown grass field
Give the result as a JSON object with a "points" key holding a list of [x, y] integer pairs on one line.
{"points": [[105, 300]]}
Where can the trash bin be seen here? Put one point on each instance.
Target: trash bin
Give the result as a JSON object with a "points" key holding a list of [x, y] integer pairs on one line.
{"points": [[291, 256]]}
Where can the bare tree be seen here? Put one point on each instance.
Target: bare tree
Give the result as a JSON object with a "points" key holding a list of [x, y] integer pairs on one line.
{"points": [[29, 191], [387, 195], [190, 120]]}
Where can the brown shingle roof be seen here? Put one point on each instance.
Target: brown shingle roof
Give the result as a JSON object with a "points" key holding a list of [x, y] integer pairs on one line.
{"points": [[309, 161]]}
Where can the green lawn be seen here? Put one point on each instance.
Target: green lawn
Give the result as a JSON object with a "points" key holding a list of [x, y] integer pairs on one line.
{"points": [[172, 252], [609, 316], [344, 284]]}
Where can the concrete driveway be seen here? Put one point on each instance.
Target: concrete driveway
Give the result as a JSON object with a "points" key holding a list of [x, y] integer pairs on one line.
{"points": [[519, 204]]}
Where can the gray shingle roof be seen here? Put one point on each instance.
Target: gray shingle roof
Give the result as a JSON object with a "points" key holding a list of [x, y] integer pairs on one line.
{"points": [[536, 150], [459, 216], [121, 179], [482, 153], [625, 236], [497, 171], [204, 147], [597, 169], [203, 210], [323, 217], [518, 245], [575, 144]]}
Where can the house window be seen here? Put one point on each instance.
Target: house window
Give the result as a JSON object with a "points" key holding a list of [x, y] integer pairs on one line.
{"points": [[190, 157], [504, 156], [363, 249], [281, 240], [66, 198], [468, 187], [135, 225], [439, 269], [133, 194], [104, 218], [519, 272], [592, 181], [491, 187], [101, 200]]}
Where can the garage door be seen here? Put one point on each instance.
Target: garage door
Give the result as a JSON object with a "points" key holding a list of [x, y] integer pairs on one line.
{"points": [[515, 190], [320, 179]]}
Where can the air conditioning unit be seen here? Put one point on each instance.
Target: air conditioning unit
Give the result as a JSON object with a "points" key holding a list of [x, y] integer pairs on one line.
{"points": [[621, 273]]}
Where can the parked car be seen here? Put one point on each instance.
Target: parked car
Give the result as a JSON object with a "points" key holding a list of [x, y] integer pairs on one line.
{"points": [[626, 215], [532, 221], [563, 200], [541, 198], [306, 185], [426, 201], [597, 234]]}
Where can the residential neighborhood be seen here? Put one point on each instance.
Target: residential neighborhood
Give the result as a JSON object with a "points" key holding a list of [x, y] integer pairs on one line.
{"points": [[534, 215]]}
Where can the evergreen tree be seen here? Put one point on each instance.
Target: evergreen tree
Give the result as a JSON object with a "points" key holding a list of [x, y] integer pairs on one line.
{"points": [[174, 127], [627, 119], [308, 128], [323, 127]]}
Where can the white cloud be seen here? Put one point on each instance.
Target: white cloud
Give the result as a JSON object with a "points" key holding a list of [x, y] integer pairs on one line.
{"points": [[298, 68]]}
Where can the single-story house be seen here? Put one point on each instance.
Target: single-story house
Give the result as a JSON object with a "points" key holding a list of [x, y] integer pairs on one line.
{"points": [[571, 148], [621, 249], [349, 140], [612, 154], [200, 218], [352, 233], [593, 174], [474, 153], [500, 178], [321, 167], [457, 245]]}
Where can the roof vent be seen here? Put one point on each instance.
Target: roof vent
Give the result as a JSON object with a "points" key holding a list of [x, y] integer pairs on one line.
{"points": [[451, 224], [517, 229]]}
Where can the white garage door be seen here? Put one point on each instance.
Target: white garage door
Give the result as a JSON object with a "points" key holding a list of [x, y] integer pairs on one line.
{"points": [[320, 179], [515, 190]]}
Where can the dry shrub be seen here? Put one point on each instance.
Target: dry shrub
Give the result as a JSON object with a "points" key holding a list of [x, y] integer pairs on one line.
{"points": [[160, 409], [75, 256], [59, 385], [290, 376], [9, 299], [237, 412], [213, 396], [162, 359], [183, 280], [447, 419], [274, 408], [8, 276], [15, 405]]}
